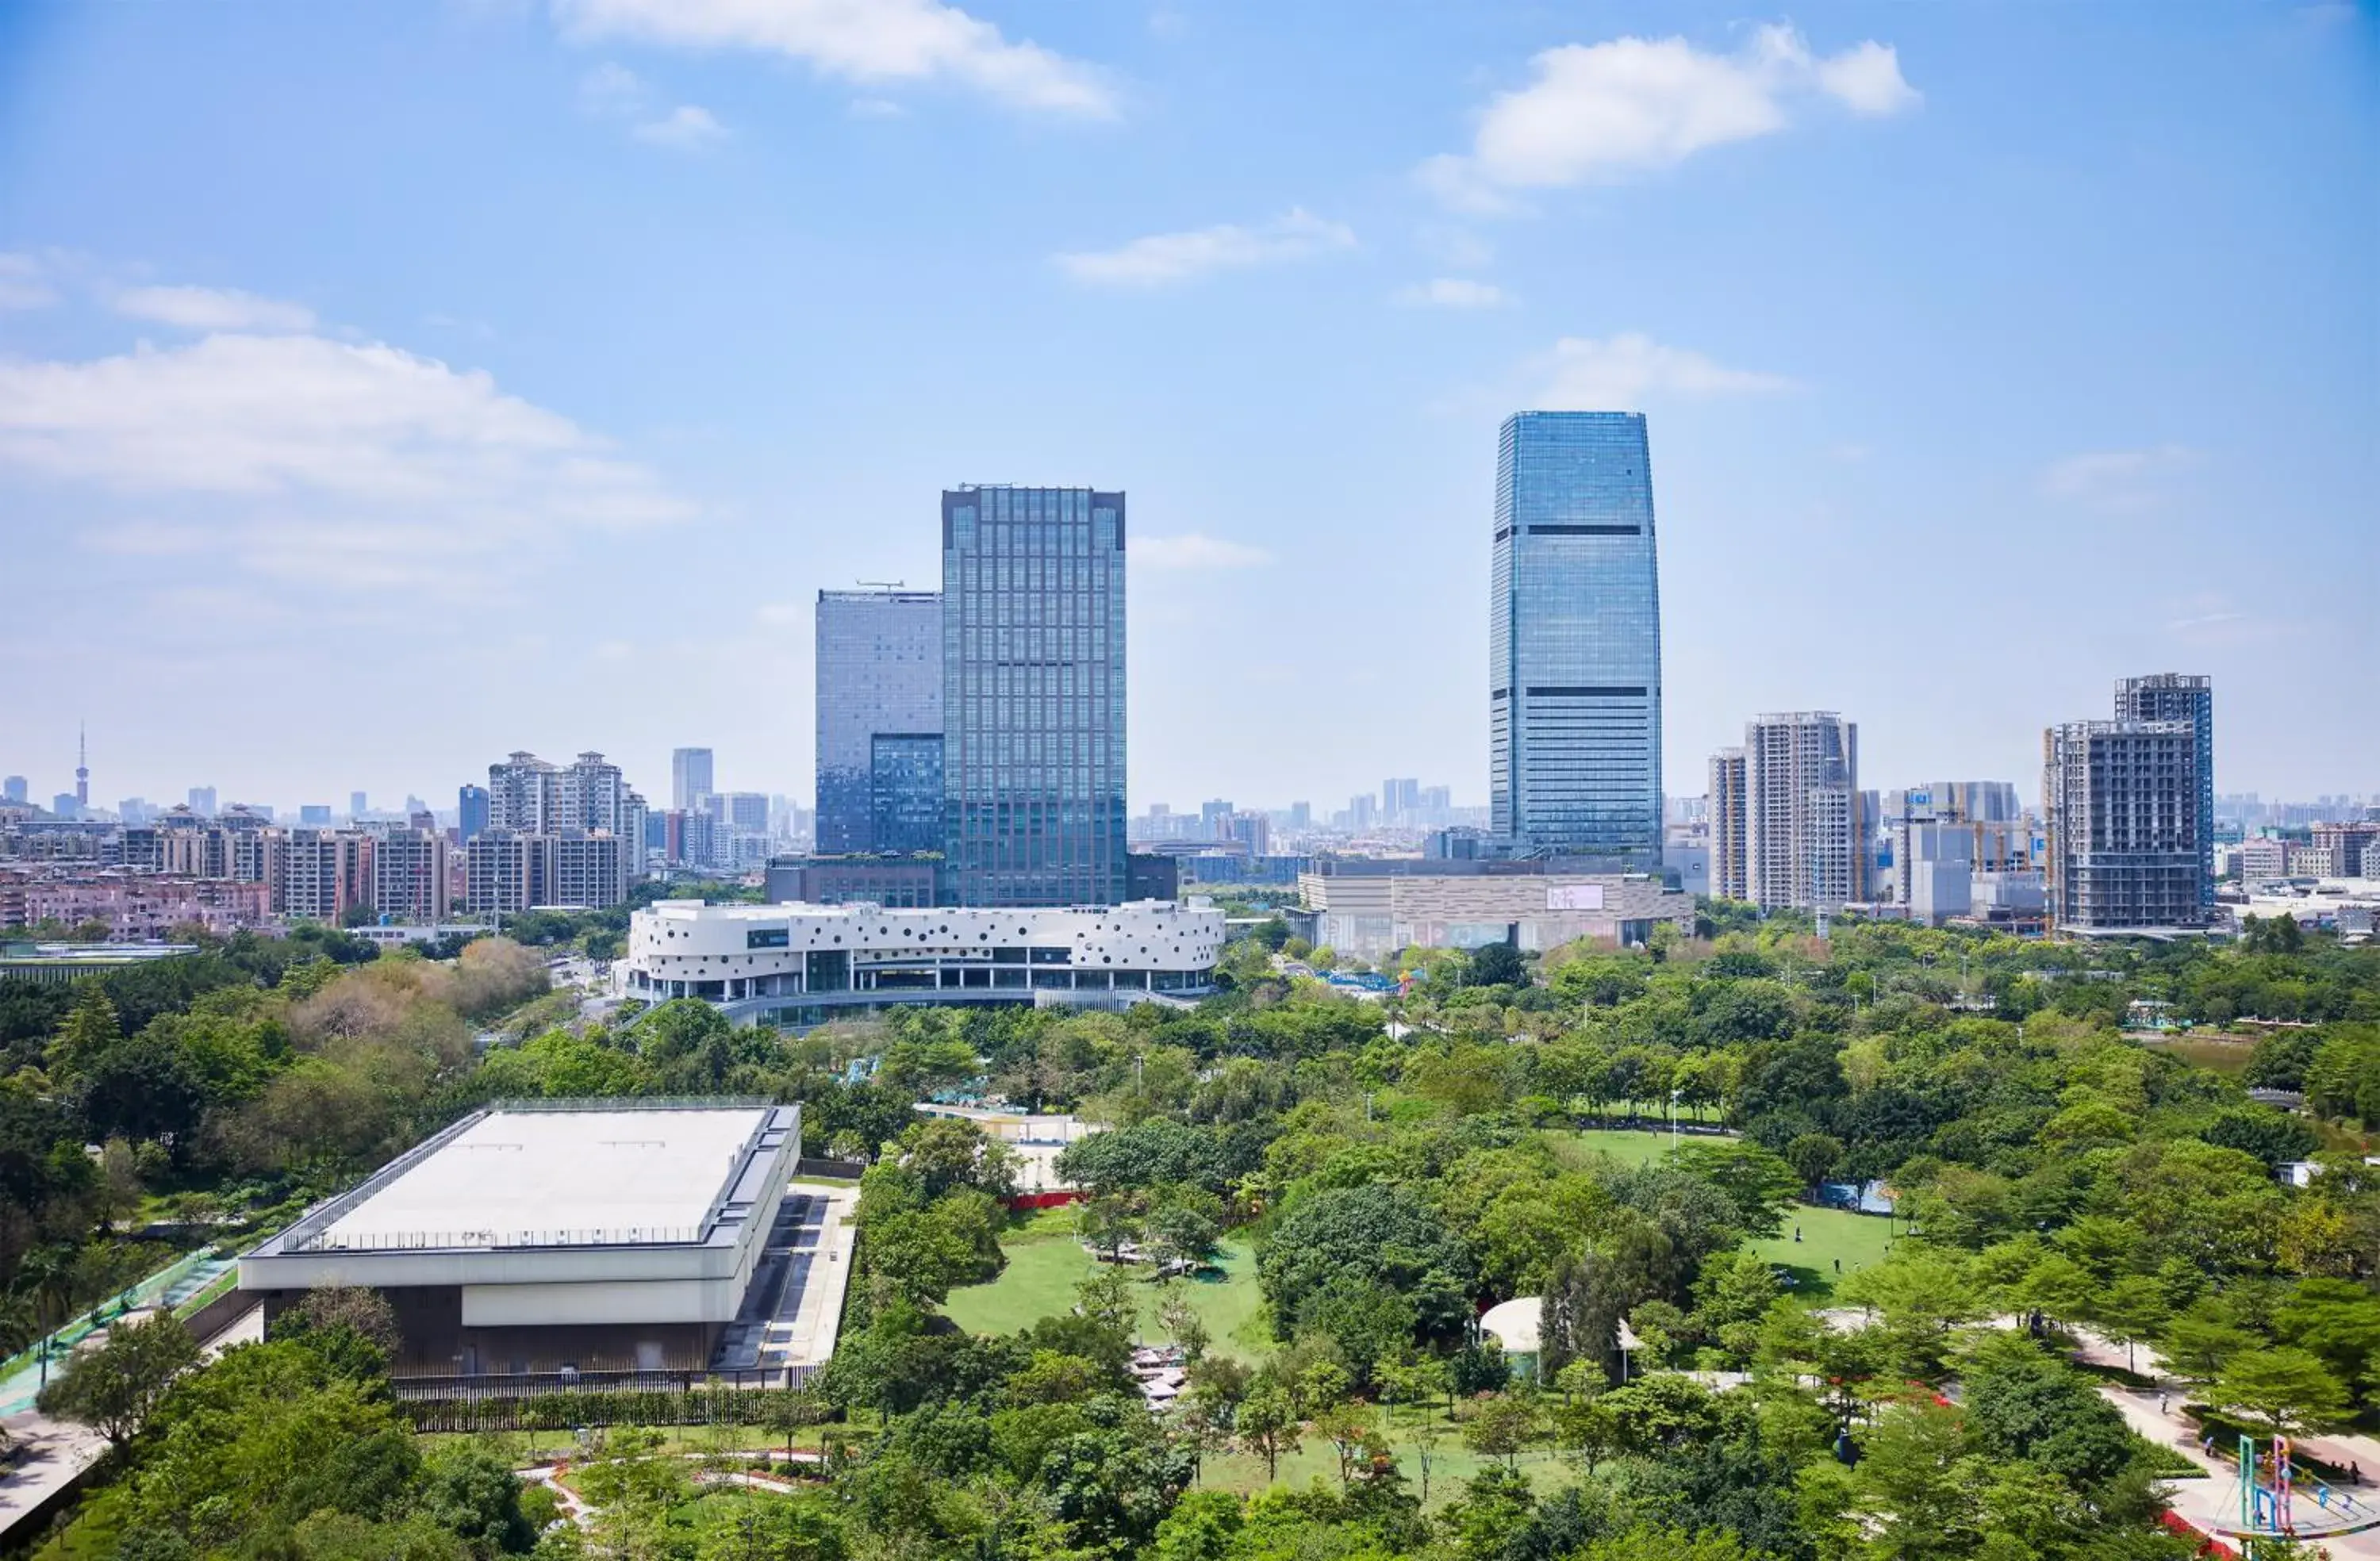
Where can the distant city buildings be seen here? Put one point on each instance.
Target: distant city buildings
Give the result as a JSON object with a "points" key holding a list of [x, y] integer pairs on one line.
{"points": [[1033, 695], [409, 874], [1370, 907], [1961, 849], [2176, 696], [555, 835], [1731, 857], [2127, 805], [1574, 640], [470, 812], [689, 777], [2121, 799], [1788, 822]]}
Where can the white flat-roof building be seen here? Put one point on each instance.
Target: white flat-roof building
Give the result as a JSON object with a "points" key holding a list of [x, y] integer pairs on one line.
{"points": [[537, 1237], [799, 965]]}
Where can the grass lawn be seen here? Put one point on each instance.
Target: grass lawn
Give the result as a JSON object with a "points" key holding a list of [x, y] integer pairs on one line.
{"points": [[1858, 1240], [1045, 1263], [1626, 1146], [1451, 1464], [2223, 1053]]}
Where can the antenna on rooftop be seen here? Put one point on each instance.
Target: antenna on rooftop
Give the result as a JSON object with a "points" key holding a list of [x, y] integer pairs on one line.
{"points": [[887, 584]]}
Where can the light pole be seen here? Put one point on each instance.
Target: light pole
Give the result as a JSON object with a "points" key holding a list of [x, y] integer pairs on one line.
{"points": [[1673, 1121]]}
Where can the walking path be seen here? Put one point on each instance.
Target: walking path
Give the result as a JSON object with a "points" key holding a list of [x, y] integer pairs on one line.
{"points": [[2212, 1504], [171, 1285], [54, 1455]]}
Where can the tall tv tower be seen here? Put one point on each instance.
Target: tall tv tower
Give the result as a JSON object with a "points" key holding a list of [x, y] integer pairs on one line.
{"points": [[82, 767]]}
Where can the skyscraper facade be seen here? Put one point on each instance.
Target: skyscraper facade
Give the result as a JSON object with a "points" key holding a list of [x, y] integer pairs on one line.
{"points": [[2179, 697], [1805, 832], [1033, 695], [470, 811], [1729, 874], [2121, 801], [1574, 640], [879, 722], [689, 777]]}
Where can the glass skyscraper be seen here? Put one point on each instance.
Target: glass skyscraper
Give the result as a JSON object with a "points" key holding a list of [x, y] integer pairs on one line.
{"points": [[1033, 695], [1574, 640], [879, 722]]}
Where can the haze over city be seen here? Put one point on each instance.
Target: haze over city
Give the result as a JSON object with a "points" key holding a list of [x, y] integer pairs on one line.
{"points": [[383, 391]]}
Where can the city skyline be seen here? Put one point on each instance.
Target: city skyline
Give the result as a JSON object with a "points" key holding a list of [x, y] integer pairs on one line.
{"points": [[1922, 332]]}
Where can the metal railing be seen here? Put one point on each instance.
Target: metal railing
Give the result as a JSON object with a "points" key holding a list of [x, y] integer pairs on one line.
{"points": [[333, 1241], [529, 1385]]}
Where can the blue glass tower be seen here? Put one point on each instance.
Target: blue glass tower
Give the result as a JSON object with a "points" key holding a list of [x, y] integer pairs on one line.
{"points": [[1574, 640], [880, 709], [471, 812], [1033, 695]]}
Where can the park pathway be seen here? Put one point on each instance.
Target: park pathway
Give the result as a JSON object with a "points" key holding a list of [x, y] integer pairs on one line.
{"points": [[2212, 1503]]}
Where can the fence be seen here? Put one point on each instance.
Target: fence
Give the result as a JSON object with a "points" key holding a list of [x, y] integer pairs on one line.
{"points": [[546, 1403], [474, 1241], [17, 1394]]}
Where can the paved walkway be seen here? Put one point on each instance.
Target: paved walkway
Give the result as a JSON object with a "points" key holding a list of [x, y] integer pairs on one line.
{"points": [[808, 1338], [2212, 1503], [53, 1455]]}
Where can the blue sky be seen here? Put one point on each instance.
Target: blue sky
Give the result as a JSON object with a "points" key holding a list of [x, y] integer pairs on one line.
{"points": [[386, 387]]}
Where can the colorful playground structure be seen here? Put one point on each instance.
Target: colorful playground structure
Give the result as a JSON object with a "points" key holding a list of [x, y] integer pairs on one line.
{"points": [[2279, 1500]]}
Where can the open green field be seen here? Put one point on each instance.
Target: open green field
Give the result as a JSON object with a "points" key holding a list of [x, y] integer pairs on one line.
{"points": [[1451, 1464], [1623, 1144], [2223, 1053], [1827, 1235], [1046, 1262]]}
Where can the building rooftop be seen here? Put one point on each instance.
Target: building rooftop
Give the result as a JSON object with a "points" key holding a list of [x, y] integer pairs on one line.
{"points": [[541, 1175], [95, 953]]}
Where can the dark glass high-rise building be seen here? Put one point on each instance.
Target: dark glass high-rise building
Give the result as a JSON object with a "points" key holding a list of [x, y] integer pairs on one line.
{"points": [[1033, 695], [1574, 640], [2182, 697], [471, 812], [879, 722]]}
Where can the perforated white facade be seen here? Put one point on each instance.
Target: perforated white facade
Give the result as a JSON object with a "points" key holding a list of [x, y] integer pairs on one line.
{"points": [[779, 960]]}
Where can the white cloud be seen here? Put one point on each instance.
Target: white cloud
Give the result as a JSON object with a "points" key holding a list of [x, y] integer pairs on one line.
{"points": [[1620, 373], [21, 285], [2117, 481], [781, 614], [610, 90], [876, 108], [866, 40], [1866, 79], [1165, 258], [1455, 291], [1195, 549], [1602, 109], [1456, 249], [212, 309], [320, 462], [684, 127]]}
